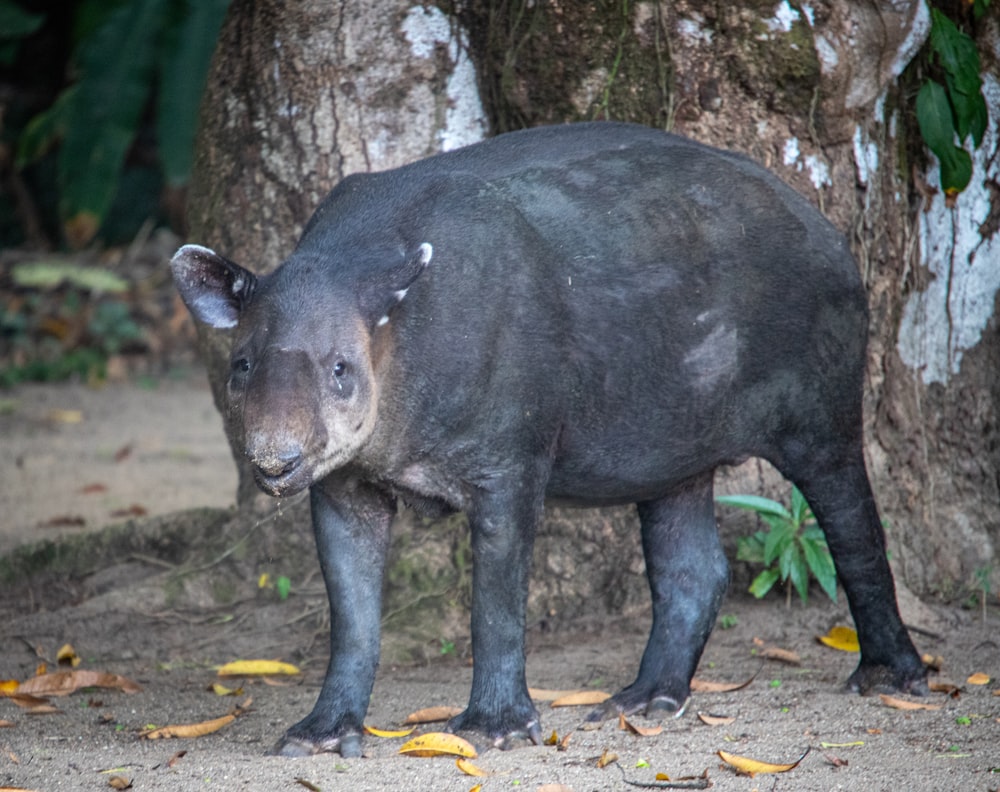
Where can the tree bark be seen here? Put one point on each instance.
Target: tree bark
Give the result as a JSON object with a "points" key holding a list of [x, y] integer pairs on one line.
{"points": [[302, 93]]}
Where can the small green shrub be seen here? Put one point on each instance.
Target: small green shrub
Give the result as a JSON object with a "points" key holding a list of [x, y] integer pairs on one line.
{"points": [[792, 549]]}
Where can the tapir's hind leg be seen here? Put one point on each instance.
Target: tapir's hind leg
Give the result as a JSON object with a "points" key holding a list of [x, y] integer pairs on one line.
{"points": [[688, 576], [835, 484]]}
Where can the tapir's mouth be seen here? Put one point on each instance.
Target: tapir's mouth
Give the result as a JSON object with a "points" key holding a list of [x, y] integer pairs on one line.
{"points": [[283, 476]]}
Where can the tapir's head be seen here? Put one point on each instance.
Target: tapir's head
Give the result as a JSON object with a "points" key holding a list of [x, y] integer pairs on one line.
{"points": [[302, 383]]}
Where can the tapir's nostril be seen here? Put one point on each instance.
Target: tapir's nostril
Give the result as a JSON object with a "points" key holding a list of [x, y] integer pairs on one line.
{"points": [[277, 465]]}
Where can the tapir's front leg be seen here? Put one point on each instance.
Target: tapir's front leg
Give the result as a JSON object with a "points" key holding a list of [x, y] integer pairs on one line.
{"points": [[503, 528], [351, 521]]}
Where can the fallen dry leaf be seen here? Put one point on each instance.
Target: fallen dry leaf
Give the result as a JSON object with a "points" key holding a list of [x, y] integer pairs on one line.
{"points": [[903, 704], [120, 782], [844, 639], [433, 714], [307, 784], [715, 720], [948, 688], [6, 724], [551, 740], [222, 690], [135, 510], [978, 678], [933, 662], [64, 521], [704, 686], [554, 788], [389, 733], [564, 742], [67, 656], [606, 758], [642, 731], [8, 686], [468, 768], [62, 683], [438, 744], [581, 698], [751, 767], [781, 655], [544, 694], [189, 729], [257, 668], [835, 760], [92, 489], [65, 416], [176, 758], [27, 701], [16, 789]]}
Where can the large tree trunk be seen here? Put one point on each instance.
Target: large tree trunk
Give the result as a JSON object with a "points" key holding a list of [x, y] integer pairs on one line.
{"points": [[303, 93]]}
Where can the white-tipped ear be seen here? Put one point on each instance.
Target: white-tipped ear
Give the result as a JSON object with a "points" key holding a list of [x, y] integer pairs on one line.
{"points": [[214, 289], [388, 290]]}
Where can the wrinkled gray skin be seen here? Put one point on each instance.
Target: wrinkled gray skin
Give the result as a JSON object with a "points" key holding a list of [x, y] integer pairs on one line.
{"points": [[594, 313]]}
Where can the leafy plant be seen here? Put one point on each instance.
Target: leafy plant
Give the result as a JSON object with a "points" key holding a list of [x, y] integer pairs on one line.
{"points": [[125, 49], [951, 113], [791, 549], [15, 25]]}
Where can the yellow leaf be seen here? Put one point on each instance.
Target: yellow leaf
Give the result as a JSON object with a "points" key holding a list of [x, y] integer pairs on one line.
{"points": [[553, 740], [476, 788], [432, 714], [119, 782], [750, 767], [715, 720], [662, 777], [8, 686], [468, 768], [263, 580], [843, 638], [62, 683], [190, 729], [903, 704], [67, 656], [387, 733], [933, 662], [438, 744], [257, 668], [65, 416], [222, 690], [581, 698], [978, 679]]}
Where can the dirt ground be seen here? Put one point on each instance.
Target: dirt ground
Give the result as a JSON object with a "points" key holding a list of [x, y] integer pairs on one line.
{"points": [[72, 453]]}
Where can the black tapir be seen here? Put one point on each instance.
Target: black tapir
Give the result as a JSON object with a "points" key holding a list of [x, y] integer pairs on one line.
{"points": [[594, 313]]}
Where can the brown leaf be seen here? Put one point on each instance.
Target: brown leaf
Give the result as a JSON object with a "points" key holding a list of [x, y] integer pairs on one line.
{"points": [[564, 742], [715, 720], [307, 784], [433, 714], [92, 489], [836, 761], [123, 453], [64, 521], [119, 782], [581, 698], [903, 704], [948, 688], [704, 686], [978, 678], [6, 724], [62, 683], [751, 767], [544, 694], [67, 656], [135, 510], [554, 788], [176, 758], [642, 731], [606, 758], [27, 701], [189, 729], [933, 662], [781, 655]]}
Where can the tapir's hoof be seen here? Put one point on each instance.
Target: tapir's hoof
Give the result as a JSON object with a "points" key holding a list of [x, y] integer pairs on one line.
{"points": [[629, 702], [485, 731], [872, 679], [294, 746]]}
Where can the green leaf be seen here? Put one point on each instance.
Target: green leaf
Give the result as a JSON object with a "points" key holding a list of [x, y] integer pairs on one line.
{"points": [[116, 66], [42, 131], [751, 548], [820, 563], [777, 540], [763, 582], [957, 52], [16, 23], [937, 127], [798, 571], [755, 503], [51, 274], [186, 52], [800, 508]]}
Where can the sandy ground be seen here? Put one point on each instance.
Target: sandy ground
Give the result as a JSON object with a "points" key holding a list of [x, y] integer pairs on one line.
{"points": [[72, 453]]}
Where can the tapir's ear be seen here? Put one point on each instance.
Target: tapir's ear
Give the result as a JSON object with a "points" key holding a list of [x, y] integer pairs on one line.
{"points": [[385, 291], [214, 289]]}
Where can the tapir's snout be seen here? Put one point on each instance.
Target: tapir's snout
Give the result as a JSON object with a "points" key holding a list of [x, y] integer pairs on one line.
{"points": [[277, 465]]}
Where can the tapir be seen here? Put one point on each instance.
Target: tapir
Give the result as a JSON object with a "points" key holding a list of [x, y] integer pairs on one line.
{"points": [[593, 313]]}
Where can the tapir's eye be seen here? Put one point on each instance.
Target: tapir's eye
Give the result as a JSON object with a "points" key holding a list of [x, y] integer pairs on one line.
{"points": [[339, 369], [241, 366]]}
